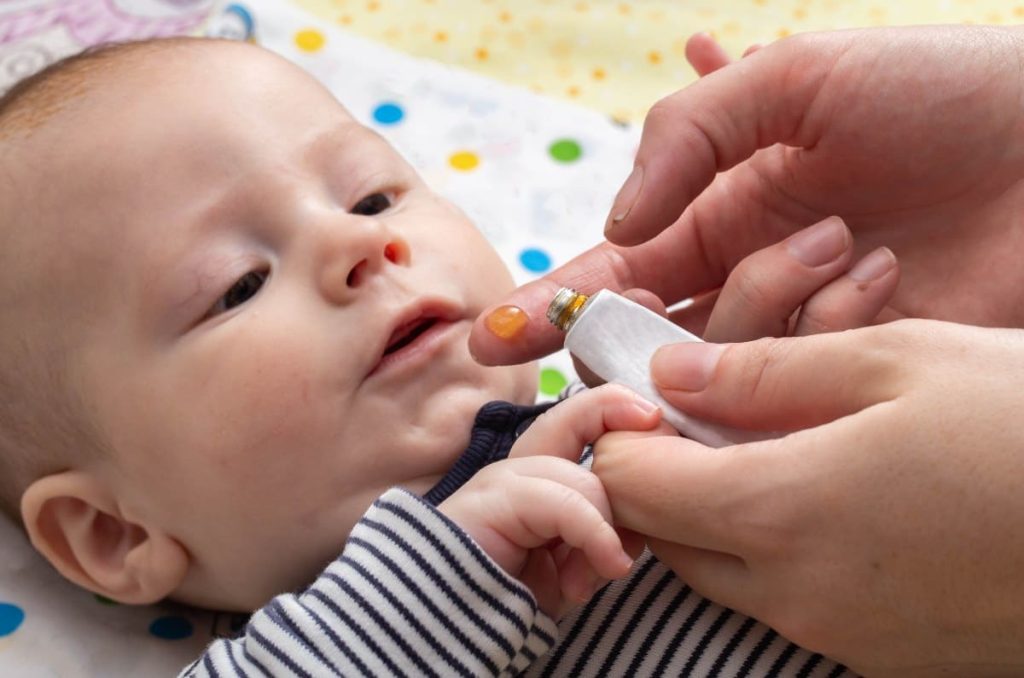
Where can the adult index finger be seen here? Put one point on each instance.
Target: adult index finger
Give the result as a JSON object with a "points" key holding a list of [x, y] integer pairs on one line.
{"points": [[716, 123]]}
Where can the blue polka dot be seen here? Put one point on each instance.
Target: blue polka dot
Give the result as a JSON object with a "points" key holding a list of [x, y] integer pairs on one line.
{"points": [[388, 113], [171, 628], [11, 617], [535, 260]]}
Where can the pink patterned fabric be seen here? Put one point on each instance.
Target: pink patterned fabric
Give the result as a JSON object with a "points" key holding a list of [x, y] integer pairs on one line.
{"points": [[90, 22]]}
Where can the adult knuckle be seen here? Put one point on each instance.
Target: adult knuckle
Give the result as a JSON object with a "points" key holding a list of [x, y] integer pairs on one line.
{"points": [[769, 357], [750, 288]]}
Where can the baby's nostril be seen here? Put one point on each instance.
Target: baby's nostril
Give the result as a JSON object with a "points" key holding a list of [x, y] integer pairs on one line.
{"points": [[355, 276]]}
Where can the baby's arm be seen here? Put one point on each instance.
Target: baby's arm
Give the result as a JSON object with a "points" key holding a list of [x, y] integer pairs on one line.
{"points": [[410, 594]]}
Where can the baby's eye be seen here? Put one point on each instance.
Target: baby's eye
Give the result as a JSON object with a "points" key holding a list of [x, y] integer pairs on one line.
{"points": [[372, 204], [245, 288]]}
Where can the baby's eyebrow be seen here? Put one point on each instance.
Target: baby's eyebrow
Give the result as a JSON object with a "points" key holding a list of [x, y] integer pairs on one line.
{"points": [[325, 145]]}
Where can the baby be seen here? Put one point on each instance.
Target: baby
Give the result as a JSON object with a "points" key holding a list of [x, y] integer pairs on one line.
{"points": [[233, 329]]}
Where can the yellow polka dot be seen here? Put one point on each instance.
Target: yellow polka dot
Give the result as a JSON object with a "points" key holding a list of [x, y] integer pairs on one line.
{"points": [[440, 36], [783, 32], [464, 161], [372, 6], [481, 54], [654, 56], [799, 13], [572, 90], [624, 8], [581, 7], [505, 17], [309, 40], [599, 74], [345, 19], [1018, 10]]}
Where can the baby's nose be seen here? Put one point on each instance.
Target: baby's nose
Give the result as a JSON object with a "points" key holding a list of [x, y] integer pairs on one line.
{"points": [[394, 252], [352, 262]]}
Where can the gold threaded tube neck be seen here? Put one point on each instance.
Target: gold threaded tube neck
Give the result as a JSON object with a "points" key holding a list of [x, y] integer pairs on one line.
{"points": [[565, 307]]}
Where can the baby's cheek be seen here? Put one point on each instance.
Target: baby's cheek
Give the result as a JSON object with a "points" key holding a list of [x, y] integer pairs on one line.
{"points": [[266, 407]]}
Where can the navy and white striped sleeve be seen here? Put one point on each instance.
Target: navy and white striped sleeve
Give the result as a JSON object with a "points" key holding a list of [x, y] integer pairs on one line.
{"points": [[411, 594]]}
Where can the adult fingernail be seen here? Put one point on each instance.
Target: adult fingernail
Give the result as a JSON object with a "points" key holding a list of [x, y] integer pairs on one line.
{"points": [[821, 243], [686, 367], [626, 197], [874, 265]]}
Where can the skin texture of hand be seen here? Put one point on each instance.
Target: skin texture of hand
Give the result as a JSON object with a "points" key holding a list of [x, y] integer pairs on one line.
{"points": [[914, 136], [543, 518], [886, 531]]}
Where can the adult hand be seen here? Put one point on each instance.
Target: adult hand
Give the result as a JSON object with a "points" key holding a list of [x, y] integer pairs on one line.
{"points": [[886, 531], [914, 136]]}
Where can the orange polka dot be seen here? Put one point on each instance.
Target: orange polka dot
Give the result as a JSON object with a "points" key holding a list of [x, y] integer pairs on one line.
{"points": [[654, 56], [440, 36], [599, 74], [345, 19], [1018, 10], [372, 6], [481, 54], [505, 17], [572, 90], [783, 32]]}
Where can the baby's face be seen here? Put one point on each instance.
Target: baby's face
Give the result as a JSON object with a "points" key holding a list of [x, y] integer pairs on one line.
{"points": [[278, 311]]}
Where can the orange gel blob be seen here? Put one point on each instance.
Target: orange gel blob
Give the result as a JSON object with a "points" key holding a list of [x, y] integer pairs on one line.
{"points": [[506, 322]]}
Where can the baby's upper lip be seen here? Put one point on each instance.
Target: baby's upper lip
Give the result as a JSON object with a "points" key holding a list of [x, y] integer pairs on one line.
{"points": [[411, 318]]}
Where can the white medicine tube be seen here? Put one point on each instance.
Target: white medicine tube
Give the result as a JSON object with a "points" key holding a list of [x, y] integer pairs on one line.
{"points": [[615, 338]]}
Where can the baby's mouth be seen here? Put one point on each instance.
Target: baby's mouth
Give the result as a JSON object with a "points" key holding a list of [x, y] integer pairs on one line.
{"points": [[408, 333]]}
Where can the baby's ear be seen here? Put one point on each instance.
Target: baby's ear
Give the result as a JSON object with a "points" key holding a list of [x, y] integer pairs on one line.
{"points": [[74, 521]]}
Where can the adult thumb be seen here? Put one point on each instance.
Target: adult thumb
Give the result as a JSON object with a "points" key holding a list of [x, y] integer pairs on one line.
{"points": [[778, 384]]}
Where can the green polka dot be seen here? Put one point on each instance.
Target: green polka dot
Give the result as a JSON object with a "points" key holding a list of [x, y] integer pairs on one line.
{"points": [[565, 150], [552, 381]]}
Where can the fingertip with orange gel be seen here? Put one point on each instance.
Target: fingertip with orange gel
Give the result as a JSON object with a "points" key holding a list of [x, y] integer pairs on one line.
{"points": [[506, 322]]}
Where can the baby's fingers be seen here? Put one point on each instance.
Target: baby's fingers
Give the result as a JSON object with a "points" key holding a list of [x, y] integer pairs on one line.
{"points": [[547, 509], [568, 427]]}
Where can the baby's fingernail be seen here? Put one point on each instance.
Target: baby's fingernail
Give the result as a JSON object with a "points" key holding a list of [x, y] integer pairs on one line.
{"points": [[819, 244], [626, 198], [645, 405], [625, 563], [686, 367], [506, 322], [874, 265]]}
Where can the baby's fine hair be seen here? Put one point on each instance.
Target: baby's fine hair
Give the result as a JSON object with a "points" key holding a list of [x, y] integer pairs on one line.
{"points": [[45, 425]]}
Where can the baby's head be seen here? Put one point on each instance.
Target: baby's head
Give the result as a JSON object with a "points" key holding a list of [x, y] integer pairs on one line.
{"points": [[230, 317]]}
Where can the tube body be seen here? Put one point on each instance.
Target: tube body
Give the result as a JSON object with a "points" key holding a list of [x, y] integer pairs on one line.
{"points": [[616, 338]]}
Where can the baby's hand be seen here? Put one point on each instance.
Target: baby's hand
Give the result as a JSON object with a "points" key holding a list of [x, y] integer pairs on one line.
{"points": [[540, 515]]}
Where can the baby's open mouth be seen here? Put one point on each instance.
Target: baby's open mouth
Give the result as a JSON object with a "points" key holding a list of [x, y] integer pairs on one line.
{"points": [[406, 334]]}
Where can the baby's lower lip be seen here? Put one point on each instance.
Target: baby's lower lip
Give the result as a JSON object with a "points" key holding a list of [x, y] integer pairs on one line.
{"points": [[416, 353]]}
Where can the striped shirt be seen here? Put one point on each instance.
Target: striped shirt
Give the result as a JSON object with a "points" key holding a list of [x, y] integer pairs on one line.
{"points": [[412, 594]]}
